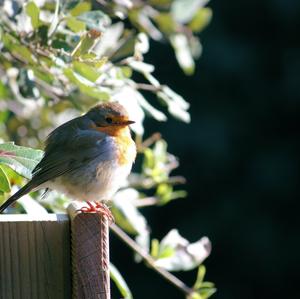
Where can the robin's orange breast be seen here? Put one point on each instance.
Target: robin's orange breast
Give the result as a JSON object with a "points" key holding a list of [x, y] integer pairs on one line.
{"points": [[126, 150], [125, 144]]}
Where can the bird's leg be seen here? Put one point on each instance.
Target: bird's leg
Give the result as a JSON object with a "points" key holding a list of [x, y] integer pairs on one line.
{"points": [[98, 207], [102, 208], [89, 209]]}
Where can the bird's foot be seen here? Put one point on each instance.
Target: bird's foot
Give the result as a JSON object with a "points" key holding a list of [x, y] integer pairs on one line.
{"points": [[98, 207]]}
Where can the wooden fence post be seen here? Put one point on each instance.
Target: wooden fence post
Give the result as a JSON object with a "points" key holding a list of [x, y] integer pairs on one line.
{"points": [[34, 257], [90, 254]]}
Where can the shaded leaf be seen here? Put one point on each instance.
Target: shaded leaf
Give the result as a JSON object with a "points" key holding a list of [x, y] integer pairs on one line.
{"points": [[19, 158], [4, 181], [117, 278], [126, 48]]}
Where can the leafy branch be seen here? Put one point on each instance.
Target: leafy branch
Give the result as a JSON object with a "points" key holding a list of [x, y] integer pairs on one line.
{"points": [[57, 59]]}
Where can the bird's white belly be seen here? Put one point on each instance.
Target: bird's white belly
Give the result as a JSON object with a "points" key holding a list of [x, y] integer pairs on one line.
{"points": [[93, 182]]}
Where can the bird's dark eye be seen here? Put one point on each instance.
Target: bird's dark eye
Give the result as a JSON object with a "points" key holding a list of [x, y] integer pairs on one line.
{"points": [[108, 120]]}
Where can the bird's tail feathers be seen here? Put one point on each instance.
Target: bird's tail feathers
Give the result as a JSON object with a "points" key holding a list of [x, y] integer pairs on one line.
{"points": [[24, 190]]}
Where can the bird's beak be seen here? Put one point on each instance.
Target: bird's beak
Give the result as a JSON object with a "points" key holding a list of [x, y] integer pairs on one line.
{"points": [[130, 122], [125, 123]]}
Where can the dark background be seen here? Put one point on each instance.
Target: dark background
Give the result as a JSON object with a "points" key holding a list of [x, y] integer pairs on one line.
{"points": [[240, 154]]}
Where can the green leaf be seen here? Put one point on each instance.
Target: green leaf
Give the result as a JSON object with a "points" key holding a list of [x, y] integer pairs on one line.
{"points": [[129, 217], [4, 181], [89, 90], [24, 53], [200, 277], [43, 75], [186, 256], [165, 252], [3, 91], [126, 71], [183, 53], [86, 43], [194, 295], [154, 248], [140, 66], [75, 25], [166, 22], [206, 292], [117, 278], [34, 13], [201, 19], [126, 213], [86, 71], [19, 158], [164, 193], [126, 49], [4, 115], [184, 10], [9, 41], [177, 106], [14, 178], [203, 289], [80, 8]]}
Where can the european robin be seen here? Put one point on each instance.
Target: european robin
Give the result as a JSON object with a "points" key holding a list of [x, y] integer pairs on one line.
{"points": [[87, 158]]}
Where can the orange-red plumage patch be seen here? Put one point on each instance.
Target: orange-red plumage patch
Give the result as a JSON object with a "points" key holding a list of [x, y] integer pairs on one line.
{"points": [[126, 146]]}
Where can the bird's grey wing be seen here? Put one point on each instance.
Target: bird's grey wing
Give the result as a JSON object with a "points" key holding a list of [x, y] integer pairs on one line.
{"points": [[75, 152]]}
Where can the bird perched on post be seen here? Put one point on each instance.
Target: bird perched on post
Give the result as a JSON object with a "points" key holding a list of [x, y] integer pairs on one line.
{"points": [[87, 158]]}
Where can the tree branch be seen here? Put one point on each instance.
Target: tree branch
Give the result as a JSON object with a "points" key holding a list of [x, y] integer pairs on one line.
{"points": [[150, 261]]}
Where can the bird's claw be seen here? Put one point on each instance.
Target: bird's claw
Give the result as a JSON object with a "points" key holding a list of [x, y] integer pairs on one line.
{"points": [[98, 208]]}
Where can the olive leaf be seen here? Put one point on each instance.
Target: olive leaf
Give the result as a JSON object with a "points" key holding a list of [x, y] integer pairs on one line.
{"points": [[19, 158]]}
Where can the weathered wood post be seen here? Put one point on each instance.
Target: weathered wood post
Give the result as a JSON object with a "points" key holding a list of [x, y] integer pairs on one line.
{"points": [[90, 254], [35, 257]]}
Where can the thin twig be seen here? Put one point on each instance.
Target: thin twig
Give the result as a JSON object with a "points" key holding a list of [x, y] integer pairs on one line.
{"points": [[136, 181], [147, 87], [149, 141], [146, 202], [150, 261]]}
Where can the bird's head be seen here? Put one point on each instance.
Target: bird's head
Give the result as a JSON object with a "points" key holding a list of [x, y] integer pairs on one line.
{"points": [[110, 118]]}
